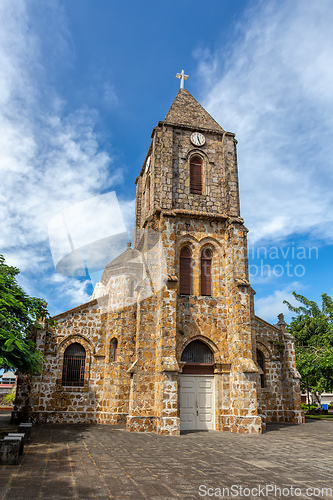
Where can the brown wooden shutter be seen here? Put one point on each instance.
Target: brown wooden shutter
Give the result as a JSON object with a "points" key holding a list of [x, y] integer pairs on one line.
{"points": [[206, 272], [196, 175], [185, 280]]}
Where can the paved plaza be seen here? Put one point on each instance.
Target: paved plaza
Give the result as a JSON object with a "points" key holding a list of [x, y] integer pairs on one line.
{"points": [[99, 461]]}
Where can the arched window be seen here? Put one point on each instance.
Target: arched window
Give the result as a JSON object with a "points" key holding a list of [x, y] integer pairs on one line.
{"points": [[185, 271], [261, 363], [148, 194], [196, 175], [199, 359], [113, 350], [197, 352], [206, 272], [73, 369]]}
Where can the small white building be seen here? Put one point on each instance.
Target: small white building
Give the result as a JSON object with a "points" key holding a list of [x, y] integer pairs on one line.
{"points": [[8, 378]]}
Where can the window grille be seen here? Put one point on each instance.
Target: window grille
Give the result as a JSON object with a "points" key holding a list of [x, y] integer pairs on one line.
{"points": [[196, 175], [185, 266], [197, 352], [74, 364], [261, 363], [206, 272]]}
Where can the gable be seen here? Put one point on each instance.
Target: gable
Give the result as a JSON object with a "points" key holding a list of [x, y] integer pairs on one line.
{"points": [[186, 111]]}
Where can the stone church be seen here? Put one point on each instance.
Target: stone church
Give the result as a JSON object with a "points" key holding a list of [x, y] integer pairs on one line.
{"points": [[170, 340]]}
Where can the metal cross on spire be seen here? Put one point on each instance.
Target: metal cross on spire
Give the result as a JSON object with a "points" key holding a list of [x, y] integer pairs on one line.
{"points": [[182, 77]]}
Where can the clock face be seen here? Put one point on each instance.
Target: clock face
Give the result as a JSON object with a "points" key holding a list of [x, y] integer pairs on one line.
{"points": [[198, 139]]}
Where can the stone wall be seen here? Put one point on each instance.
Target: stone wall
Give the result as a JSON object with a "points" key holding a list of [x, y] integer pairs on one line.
{"points": [[280, 399]]}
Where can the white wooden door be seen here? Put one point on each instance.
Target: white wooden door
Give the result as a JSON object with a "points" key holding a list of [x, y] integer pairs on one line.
{"points": [[196, 394]]}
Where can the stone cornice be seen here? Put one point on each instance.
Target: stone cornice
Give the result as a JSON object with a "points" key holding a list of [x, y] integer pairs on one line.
{"points": [[190, 127], [195, 214]]}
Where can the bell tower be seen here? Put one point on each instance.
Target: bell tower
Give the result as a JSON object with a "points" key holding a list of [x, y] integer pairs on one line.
{"points": [[187, 193], [191, 164]]}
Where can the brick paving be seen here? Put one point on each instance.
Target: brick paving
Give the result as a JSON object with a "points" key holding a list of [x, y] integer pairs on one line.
{"points": [[100, 461]]}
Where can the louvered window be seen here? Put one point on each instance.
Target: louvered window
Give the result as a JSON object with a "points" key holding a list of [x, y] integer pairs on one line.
{"points": [[206, 272], [261, 363], [74, 363], [196, 175], [185, 280]]}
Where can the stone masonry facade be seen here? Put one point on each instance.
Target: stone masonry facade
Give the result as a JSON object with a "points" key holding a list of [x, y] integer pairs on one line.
{"points": [[135, 331]]}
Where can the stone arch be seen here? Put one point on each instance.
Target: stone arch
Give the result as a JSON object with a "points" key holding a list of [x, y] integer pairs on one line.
{"points": [[197, 357], [197, 151], [187, 240], [264, 349], [182, 345], [203, 355], [77, 337], [209, 240]]}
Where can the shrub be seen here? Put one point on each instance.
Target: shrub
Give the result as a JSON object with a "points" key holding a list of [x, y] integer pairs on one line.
{"points": [[10, 397], [305, 407]]}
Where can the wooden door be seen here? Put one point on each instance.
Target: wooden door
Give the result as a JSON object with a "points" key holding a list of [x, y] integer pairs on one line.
{"points": [[196, 393]]}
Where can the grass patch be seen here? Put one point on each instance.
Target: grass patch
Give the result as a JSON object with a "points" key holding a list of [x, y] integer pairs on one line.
{"points": [[320, 417]]}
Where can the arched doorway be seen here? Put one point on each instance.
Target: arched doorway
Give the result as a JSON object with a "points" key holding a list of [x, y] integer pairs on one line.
{"points": [[196, 387]]}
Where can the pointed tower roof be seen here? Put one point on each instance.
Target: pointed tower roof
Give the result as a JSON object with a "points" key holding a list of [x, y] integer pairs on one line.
{"points": [[186, 111]]}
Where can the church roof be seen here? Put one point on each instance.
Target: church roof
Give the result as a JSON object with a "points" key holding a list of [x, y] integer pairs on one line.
{"points": [[186, 111], [129, 255]]}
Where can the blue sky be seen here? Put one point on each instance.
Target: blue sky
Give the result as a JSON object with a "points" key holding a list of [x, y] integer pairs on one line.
{"points": [[83, 83]]}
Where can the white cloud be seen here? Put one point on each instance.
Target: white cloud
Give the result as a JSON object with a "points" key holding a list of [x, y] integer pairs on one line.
{"points": [[270, 306], [273, 87], [110, 96], [50, 157], [49, 160], [73, 291]]}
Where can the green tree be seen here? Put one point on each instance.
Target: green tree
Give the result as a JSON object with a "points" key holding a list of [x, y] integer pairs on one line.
{"points": [[19, 315], [313, 332]]}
